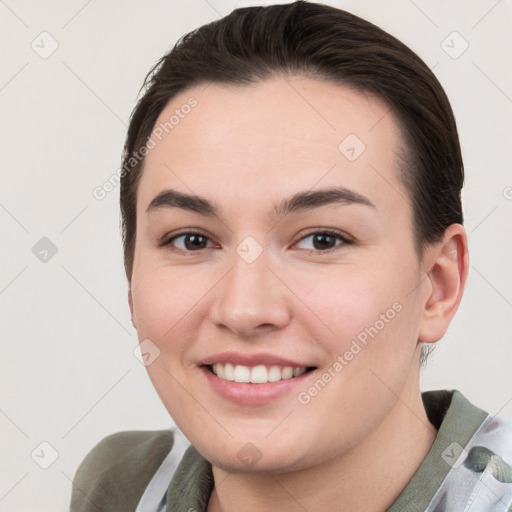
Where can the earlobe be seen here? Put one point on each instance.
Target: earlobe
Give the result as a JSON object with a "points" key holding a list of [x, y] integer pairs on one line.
{"points": [[446, 274]]}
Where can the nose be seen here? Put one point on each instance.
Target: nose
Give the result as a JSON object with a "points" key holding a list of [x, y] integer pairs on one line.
{"points": [[252, 298]]}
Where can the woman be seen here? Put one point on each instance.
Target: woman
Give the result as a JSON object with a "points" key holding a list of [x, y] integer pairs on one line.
{"points": [[294, 244]]}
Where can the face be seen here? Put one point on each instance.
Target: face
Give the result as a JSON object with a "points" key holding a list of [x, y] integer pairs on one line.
{"points": [[258, 283]]}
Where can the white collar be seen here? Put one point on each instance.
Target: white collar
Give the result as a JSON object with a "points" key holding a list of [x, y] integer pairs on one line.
{"points": [[154, 497]]}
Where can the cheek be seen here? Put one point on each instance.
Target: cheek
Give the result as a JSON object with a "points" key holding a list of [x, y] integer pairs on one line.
{"points": [[163, 301], [367, 315], [346, 302], [163, 308]]}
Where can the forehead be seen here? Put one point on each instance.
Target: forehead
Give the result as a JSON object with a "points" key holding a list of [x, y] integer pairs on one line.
{"points": [[262, 142]]}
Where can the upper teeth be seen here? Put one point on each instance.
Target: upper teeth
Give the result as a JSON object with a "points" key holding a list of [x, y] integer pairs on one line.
{"points": [[259, 374]]}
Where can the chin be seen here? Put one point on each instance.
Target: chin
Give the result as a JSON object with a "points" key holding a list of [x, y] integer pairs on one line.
{"points": [[240, 455], [254, 461]]}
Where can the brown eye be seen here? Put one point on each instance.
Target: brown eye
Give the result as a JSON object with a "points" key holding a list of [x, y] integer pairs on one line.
{"points": [[192, 242], [325, 241]]}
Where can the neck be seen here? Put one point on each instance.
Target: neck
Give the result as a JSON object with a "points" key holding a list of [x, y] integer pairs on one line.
{"points": [[367, 478]]}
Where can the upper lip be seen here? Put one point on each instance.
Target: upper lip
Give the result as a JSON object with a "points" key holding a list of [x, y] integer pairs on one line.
{"points": [[252, 359]]}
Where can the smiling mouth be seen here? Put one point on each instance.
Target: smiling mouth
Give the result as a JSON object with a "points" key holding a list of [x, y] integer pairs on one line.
{"points": [[259, 374]]}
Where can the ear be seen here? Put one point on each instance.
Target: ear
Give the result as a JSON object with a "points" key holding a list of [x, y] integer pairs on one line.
{"points": [[130, 302], [446, 266]]}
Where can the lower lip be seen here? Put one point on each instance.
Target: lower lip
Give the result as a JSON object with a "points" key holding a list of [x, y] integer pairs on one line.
{"points": [[249, 393]]}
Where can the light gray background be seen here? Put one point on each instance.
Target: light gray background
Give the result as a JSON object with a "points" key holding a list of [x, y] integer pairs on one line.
{"points": [[67, 369]]}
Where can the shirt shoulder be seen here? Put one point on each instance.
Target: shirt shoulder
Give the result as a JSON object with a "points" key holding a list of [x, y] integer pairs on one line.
{"points": [[114, 474], [469, 463]]}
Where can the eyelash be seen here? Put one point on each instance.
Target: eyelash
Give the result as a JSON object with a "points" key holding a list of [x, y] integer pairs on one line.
{"points": [[341, 236]]}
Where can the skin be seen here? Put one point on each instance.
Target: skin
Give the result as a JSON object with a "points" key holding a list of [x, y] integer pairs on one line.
{"points": [[358, 442]]}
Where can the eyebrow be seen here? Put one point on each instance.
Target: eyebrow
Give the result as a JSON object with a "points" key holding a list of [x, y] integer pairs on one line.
{"points": [[299, 202]]}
